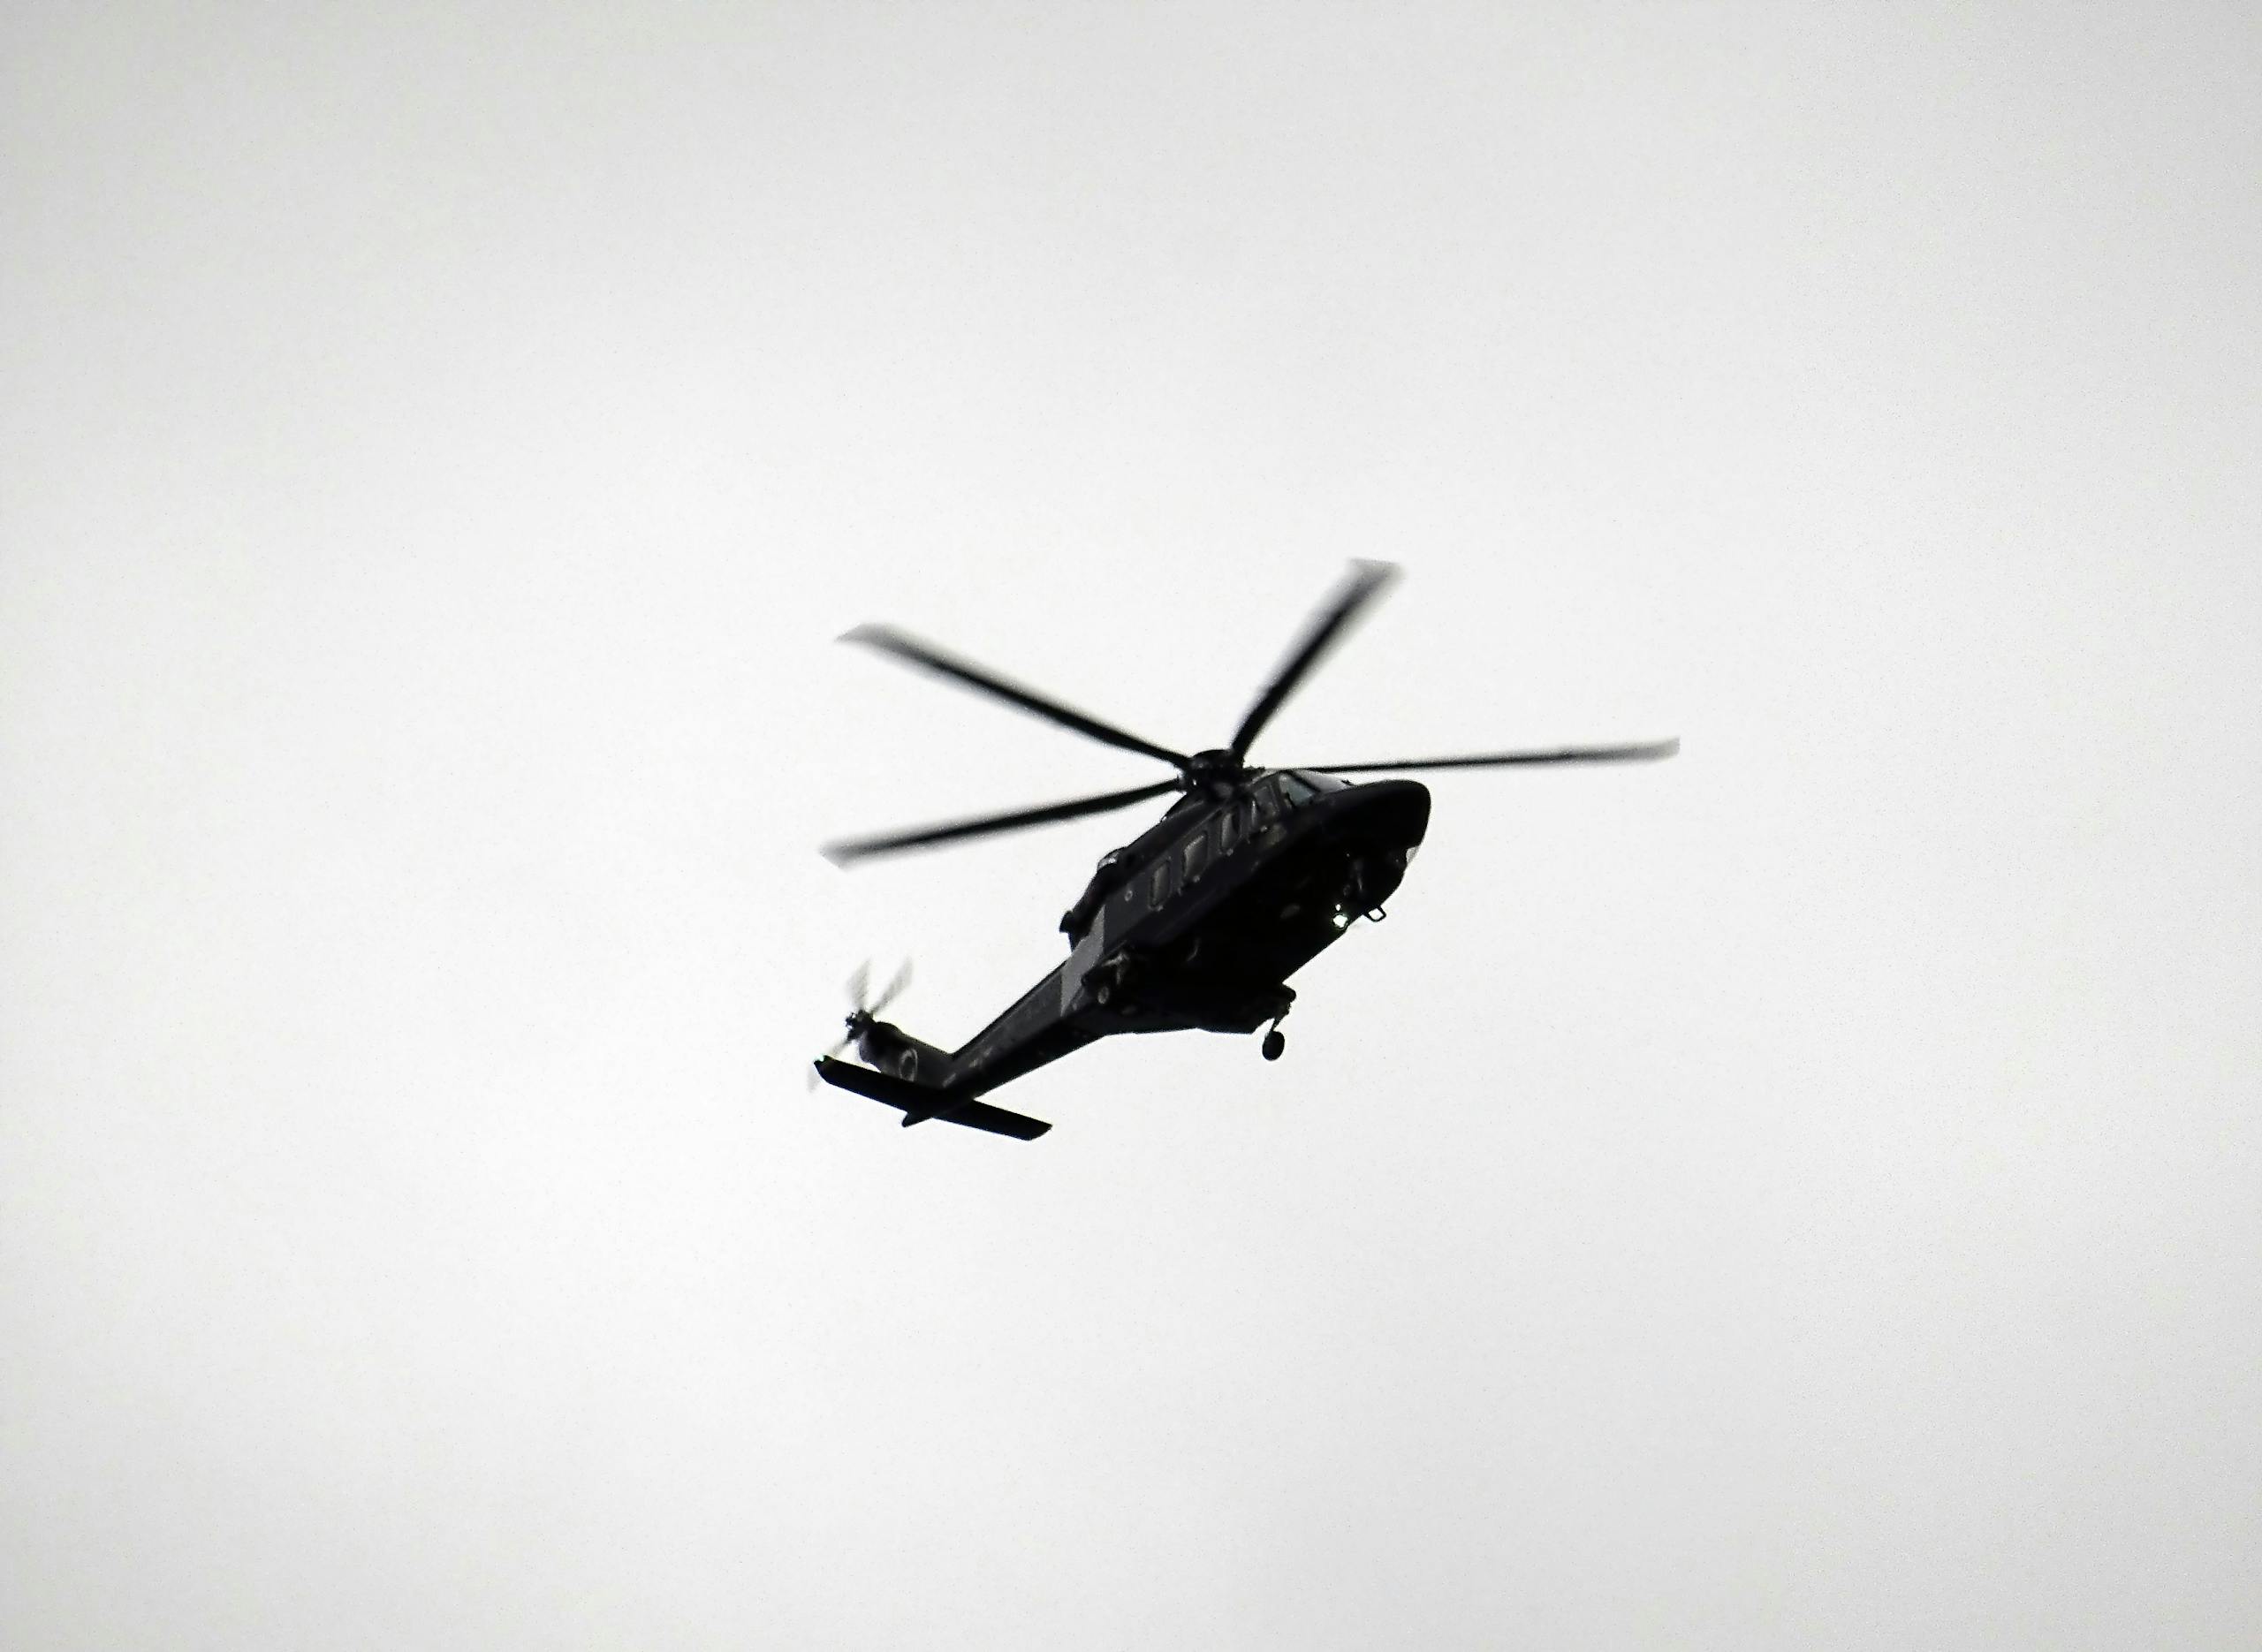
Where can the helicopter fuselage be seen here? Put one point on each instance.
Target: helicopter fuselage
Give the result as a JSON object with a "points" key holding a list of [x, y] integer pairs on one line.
{"points": [[1196, 923]]}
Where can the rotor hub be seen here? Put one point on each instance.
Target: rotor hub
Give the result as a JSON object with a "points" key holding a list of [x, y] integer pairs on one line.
{"points": [[1218, 772]]}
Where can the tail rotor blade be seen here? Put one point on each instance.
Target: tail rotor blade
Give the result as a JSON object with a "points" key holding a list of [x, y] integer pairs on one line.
{"points": [[901, 979], [856, 998]]}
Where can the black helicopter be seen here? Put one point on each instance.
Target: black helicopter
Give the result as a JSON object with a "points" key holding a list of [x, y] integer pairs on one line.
{"points": [[1196, 923]]}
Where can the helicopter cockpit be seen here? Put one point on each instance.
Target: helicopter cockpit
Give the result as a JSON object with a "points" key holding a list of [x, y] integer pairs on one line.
{"points": [[1301, 785]]}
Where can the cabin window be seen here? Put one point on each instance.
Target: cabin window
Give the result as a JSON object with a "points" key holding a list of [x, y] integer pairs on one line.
{"points": [[1197, 856], [1266, 803], [1228, 828], [1159, 885]]}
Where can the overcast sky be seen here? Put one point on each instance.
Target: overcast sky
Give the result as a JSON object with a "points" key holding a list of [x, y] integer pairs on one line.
{"points": [[1802, 1194]]}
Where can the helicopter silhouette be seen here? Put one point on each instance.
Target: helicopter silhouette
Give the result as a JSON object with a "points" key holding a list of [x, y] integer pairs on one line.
{"points": [[1197, 922]]}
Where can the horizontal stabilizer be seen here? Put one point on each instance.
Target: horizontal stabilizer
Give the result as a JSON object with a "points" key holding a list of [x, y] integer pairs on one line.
{"points": [[918, 1102]]}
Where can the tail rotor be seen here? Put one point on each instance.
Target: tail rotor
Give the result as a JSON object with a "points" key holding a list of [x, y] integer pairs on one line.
{"points": [[862, 1013]]}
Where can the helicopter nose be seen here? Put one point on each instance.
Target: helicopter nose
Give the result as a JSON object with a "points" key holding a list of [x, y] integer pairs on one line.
{"points": [[1395, 811]]}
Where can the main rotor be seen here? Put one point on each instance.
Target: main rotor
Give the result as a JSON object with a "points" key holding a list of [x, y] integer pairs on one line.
{"points": [[1216, 773]]}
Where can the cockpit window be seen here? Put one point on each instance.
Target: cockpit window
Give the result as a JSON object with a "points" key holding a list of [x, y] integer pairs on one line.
{"points": [[1296, 790]]}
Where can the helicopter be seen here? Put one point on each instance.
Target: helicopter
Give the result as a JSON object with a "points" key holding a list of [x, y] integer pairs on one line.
{"points": [[1197, 922]]}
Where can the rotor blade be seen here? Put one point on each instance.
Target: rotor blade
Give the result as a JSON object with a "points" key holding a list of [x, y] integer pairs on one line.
{"points": [[887, 993], [858, 848], [888, 639], [843, 1044], [1644, 752], [1361, 586], [859, 980]]}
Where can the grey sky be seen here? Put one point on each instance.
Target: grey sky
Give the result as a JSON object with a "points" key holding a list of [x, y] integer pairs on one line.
{"points": [[1804, 1195]]}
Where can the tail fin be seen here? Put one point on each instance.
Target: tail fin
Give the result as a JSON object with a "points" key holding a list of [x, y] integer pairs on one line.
{"points": [[919, 1102]]}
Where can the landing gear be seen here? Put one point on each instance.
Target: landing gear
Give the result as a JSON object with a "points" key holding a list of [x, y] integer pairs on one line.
{"points": [[1279, 1001]]}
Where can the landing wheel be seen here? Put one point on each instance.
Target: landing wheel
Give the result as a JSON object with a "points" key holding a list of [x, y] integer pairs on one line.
{"points": [[1275, 1042]]}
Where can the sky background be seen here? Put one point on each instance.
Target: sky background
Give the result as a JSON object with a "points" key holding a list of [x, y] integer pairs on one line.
{"points": [[1801, 1194]]}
